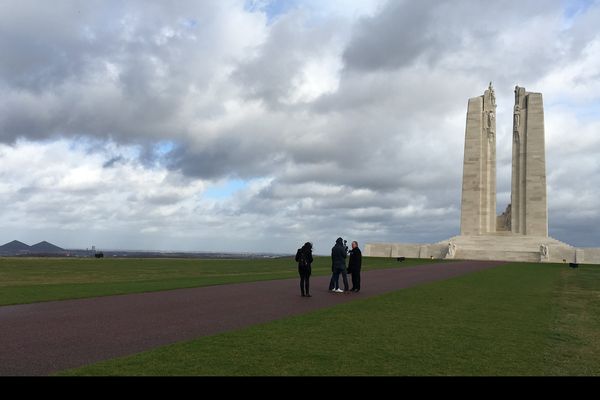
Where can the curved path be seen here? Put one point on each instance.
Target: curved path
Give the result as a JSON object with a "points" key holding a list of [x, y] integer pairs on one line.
{"points": [[42, 338]]}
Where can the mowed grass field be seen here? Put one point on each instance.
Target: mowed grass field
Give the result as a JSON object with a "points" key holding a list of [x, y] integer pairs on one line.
{"points": [[515, 319], [29, 280]]}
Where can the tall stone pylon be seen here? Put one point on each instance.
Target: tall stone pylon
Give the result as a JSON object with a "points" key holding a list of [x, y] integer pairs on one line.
{"points": [[528, 192], [478, 206], [521, 232]]}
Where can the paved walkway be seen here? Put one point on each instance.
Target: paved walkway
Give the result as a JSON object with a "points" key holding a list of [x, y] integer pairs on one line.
{"points": [[42, 338]]}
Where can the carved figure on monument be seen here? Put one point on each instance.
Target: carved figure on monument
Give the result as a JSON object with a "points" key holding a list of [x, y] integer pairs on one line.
{"points": [[451, 250], [544, 256], [492, 94], [490, 125], [516, 123]]}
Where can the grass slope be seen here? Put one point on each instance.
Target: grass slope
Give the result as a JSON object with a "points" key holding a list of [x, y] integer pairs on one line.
{"points": [[517, 319]]}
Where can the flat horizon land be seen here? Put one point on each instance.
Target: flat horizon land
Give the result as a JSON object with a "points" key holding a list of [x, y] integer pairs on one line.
{"points": [[518, 319]]}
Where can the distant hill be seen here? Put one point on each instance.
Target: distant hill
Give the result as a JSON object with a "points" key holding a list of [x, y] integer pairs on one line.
{"points": [[14, 247], [45, 247], [19, 248]]}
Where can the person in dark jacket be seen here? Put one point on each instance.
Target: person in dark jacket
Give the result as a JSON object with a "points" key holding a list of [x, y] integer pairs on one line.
{"points": [[338, 261], [354, 264], [304, 258]]}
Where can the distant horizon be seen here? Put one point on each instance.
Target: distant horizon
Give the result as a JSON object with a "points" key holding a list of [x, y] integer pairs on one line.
{"points": [[258, 125], [99, 248]]}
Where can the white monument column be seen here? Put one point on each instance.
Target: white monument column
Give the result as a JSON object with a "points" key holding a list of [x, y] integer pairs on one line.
{"points": [[528, 195], [478, 205]]}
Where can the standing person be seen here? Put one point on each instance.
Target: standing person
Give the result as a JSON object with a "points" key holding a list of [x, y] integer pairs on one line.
{"points": [[331, 282], [304, 258], [338, 257], [354, 265]]}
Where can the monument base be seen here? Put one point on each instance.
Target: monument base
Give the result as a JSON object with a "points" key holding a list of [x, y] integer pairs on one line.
{"points": [[500, 246]]}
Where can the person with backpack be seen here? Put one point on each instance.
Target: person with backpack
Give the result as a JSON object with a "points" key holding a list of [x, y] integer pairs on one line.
{"points": [[338, 263], [304, 258]]}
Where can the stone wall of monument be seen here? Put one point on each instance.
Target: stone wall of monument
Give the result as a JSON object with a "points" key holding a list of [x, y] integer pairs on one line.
{"points": [[591, 255], [408, 250], [377, 250], [470, 216], [392, 250], [528, 188], [536, 219], [581, 255], [478, 205], [560, 254]]}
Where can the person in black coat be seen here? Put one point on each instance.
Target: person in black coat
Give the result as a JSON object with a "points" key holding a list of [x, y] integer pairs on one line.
{"points": [[354, 265], [338, 261], [304, 258]]}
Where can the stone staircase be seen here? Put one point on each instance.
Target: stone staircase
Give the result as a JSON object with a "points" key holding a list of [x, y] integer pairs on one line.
{"points": [[507, 246], [499, 246]]}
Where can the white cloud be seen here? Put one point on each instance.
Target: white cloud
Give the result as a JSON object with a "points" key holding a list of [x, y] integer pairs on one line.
{"points": [[61, 185], [577, 81], [339, 117]]}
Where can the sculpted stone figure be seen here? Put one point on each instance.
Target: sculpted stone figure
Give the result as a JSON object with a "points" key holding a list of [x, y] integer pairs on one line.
{"points": [[451, 250], [516, 122], [544, 252], [490, 125], [492, 94]]}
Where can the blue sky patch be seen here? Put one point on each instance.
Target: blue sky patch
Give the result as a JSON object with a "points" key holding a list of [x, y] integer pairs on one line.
{"points": [[164, 147], [273, 8], [225, 189], [573, 9], [584, 111]]}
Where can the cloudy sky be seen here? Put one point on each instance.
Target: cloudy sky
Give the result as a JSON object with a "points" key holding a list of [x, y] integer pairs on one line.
{"points": [[257, 125]]}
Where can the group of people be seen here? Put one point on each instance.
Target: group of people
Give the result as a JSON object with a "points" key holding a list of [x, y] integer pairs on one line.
{"points": [[338, 266]]}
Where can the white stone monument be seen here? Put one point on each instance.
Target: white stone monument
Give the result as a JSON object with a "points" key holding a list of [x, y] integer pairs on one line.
{"points": [[528, 192], [478, 206], [521, 232]]}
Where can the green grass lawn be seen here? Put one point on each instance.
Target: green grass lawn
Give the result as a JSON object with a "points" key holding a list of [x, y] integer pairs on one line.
{"points": [[516, 319], [29, 280], [575, 334]]}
